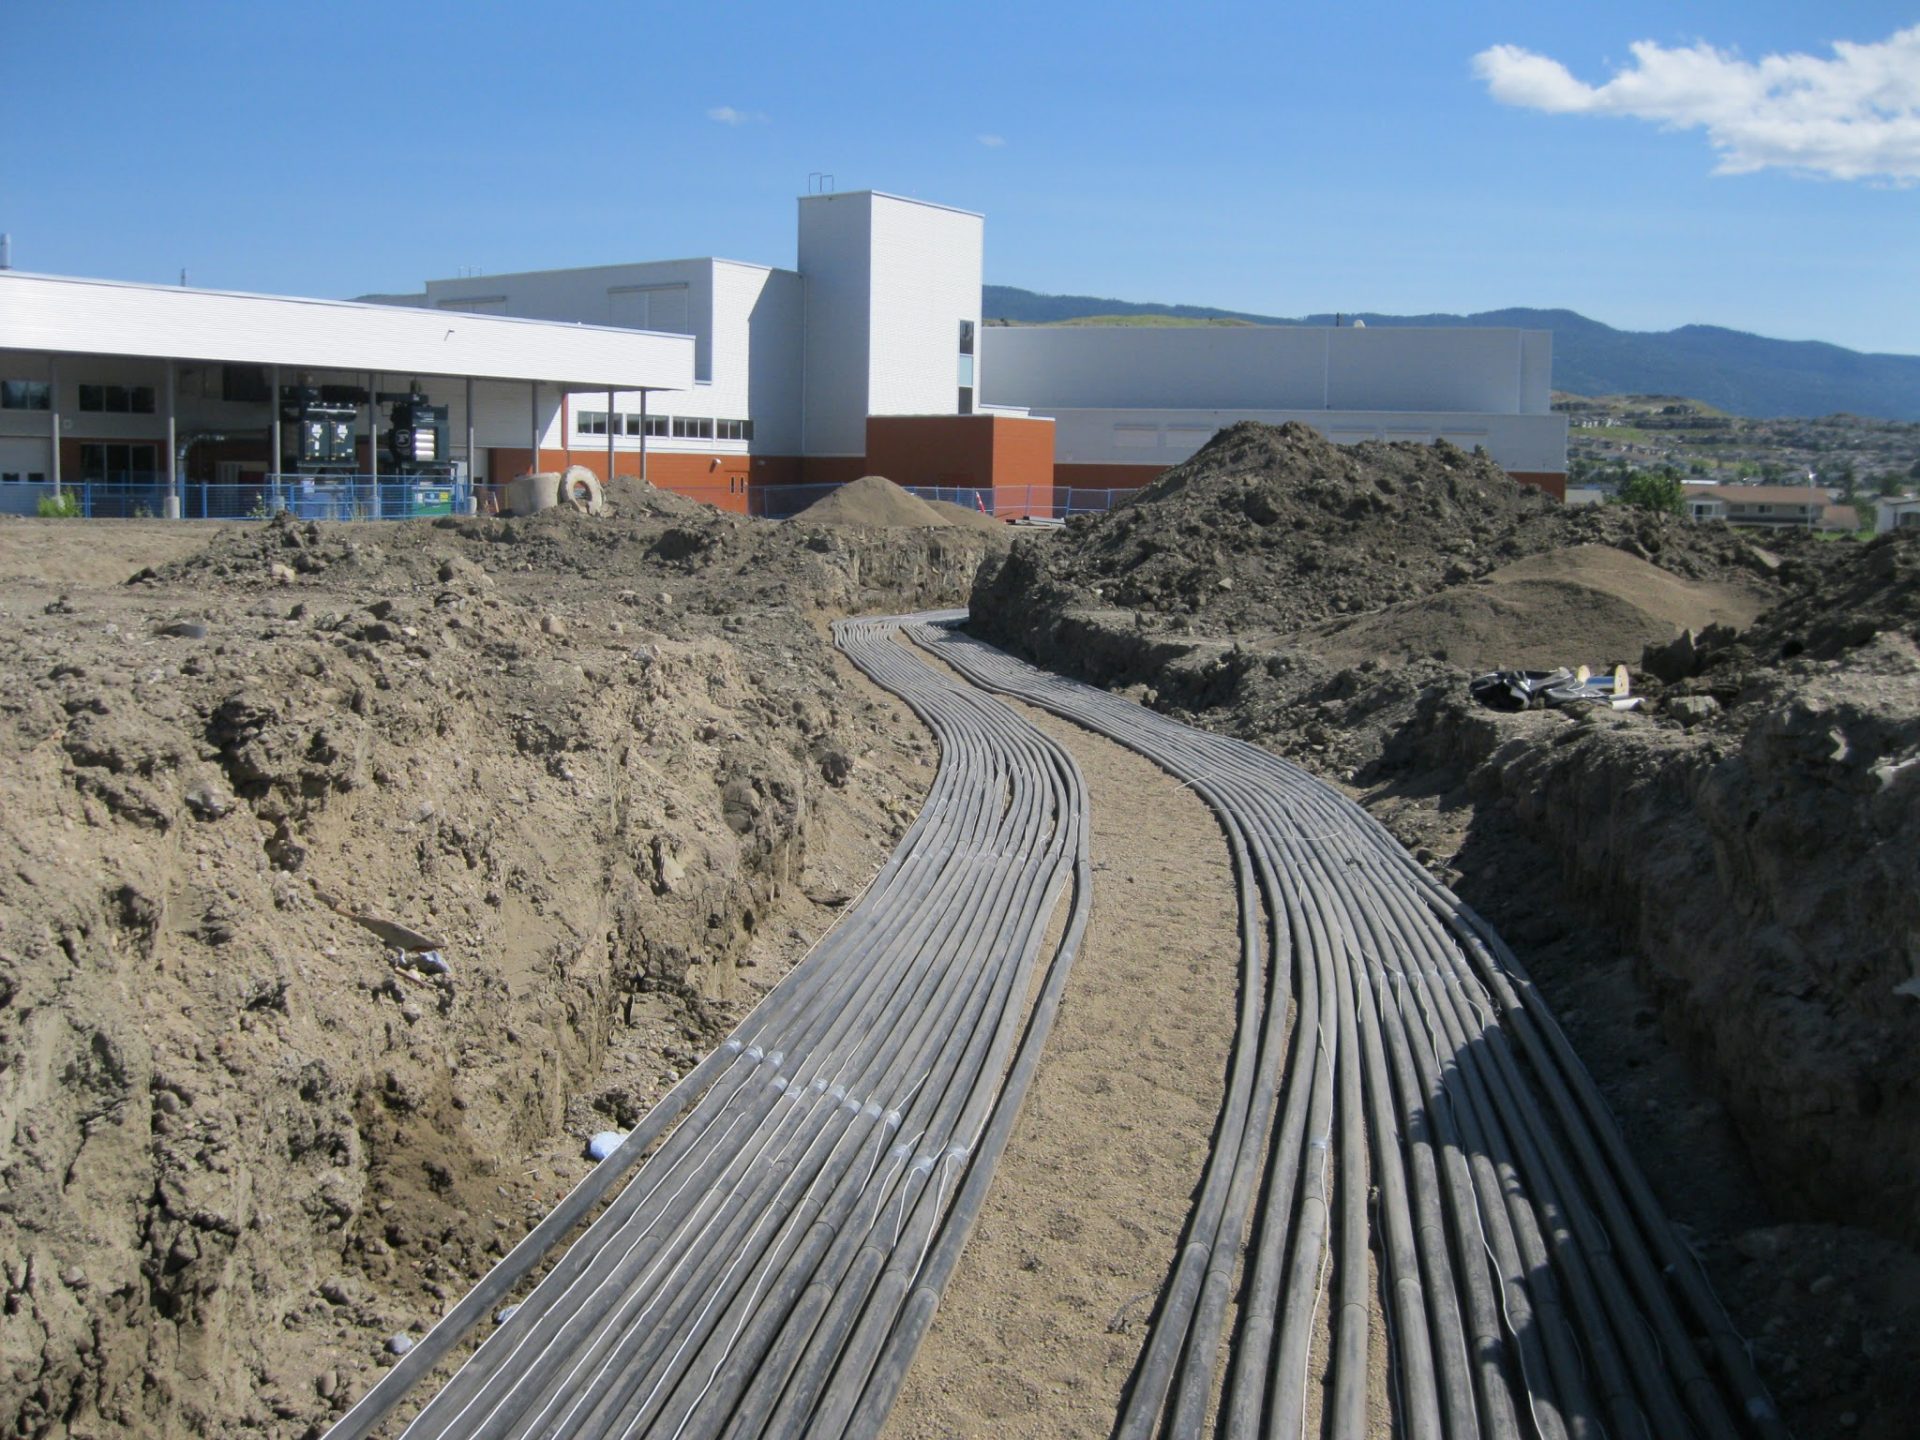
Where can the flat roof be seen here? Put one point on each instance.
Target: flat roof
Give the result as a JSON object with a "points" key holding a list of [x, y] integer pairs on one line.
{"points": [[70, 315], [889, 195]]}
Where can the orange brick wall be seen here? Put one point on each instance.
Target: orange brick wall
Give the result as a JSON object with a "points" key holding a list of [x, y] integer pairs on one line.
{"points": [[721, 480], [1554, 482], [1004, 453], [829, 469]]}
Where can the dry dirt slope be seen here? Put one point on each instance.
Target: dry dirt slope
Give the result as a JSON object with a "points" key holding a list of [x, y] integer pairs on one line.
{"points": [[1751, 843], [597, 762]]}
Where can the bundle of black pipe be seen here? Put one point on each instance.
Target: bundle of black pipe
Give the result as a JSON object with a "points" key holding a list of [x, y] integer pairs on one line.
{"points": [[770, 1267], [1429, 1108]]}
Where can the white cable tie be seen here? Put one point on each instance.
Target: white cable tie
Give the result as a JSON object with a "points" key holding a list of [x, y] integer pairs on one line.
{"points": [[838, 1092], [756, 1054], [732, 1044], [777, 1059], [779, 1083], [893, 1119], [819, 1083], [924, 1165], [900, 1151], [851, 1105], [871, 1110], [959, 1152]]}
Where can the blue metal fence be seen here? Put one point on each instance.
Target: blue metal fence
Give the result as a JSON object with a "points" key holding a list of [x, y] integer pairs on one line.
{"points": [[387, 497], [305, 497]]}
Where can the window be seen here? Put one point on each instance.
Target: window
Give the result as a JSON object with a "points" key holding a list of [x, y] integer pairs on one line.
{"points": [[590, 422], [244, 384], [653, 425], [117, 462], [966, 367], [14, 477], [649, 307], [733, 429], [685, 428], [477, 305], [117, 399], [25, 395]]}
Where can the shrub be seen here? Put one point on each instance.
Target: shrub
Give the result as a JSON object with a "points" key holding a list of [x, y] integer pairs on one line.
{"points": [[1654, 490], [64, 506]]}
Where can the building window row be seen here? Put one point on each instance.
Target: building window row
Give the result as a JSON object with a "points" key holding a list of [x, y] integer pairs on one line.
{"points": [[117, 399], [25, 395], [594, 422]]}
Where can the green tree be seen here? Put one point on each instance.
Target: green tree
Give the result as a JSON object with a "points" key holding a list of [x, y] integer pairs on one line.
{"points": [[1658, 490]]}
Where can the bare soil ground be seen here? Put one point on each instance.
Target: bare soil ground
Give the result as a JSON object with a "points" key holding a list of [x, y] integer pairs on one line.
{"points": [[1043, 1322], [610, 771]]}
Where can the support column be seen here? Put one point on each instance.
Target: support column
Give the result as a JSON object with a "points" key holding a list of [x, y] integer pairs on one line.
{"points": [[533, 426], [473, 474], [373, 441], [274, 458], [613, 419], [643, 437], [53, 420], [173, 506]]}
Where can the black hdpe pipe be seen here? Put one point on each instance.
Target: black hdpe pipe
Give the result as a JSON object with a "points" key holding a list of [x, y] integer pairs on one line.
{"points": [[1457, 1092], [730, 1172]]}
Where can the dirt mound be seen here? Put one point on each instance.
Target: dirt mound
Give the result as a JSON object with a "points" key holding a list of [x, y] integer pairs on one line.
{"points": [[1276, 527], [1865, 591], [631, 496], [872, 501], [1586, 604], [599, 762]]}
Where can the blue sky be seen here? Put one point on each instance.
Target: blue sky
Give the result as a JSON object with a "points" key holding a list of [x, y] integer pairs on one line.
{"points": [[1279, 158]]}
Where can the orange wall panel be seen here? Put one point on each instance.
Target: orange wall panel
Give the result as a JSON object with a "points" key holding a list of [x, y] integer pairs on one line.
{"points": [[831, 469], [1554, 482]]}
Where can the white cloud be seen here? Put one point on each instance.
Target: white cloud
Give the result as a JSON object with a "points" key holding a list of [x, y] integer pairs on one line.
{"points": [[727, 115], [992, 142], [1855, 116]]}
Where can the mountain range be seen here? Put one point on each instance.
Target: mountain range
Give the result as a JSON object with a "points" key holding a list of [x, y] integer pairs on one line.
{"points": [[1731, 370]]}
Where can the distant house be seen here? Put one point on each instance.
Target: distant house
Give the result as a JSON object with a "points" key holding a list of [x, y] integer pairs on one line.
{"points": [[1768, 506], [1898, 512]]}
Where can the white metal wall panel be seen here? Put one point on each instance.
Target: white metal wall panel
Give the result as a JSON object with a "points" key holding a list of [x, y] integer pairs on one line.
{"points": [[1536, 372], [614, 295], [1269, 368], [925, 282], [1402, 367], [1047, 367], [757, 320], [1118, 437], [836, 253], [49, 313]]}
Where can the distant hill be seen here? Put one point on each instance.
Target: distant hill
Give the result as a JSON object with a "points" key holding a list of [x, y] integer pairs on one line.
{"points": [[1744, 374]]}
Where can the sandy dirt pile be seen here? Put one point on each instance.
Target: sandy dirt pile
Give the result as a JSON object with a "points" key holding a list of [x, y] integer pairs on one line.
{"points": [[1272, 528], [872, 502], [1722, 888], [246, 1133]]}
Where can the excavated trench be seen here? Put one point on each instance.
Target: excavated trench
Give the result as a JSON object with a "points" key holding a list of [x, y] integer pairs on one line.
{"points": [[245, 1137]]}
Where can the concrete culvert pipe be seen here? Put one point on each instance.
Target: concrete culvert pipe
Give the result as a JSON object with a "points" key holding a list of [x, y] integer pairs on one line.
{"points": [[581, 488]]}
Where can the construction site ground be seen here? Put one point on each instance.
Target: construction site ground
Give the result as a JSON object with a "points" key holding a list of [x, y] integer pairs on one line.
{"points": [[614, 769]]}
